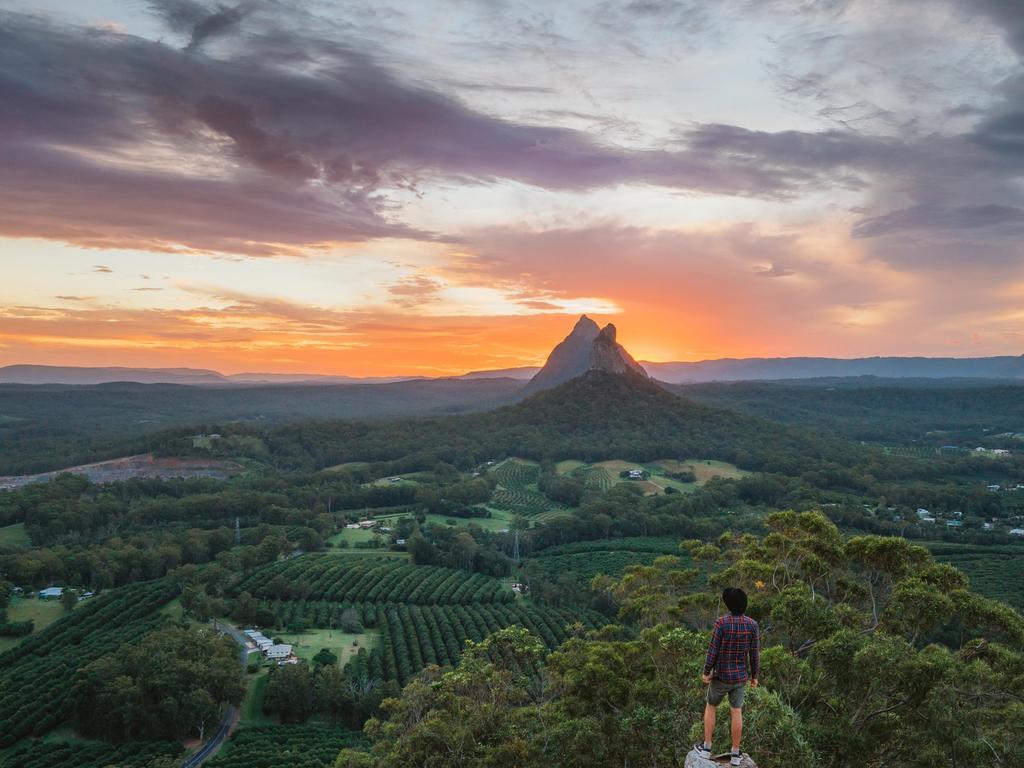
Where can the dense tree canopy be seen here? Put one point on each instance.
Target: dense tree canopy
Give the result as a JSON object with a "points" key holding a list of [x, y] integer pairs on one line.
{"points": [[172, 684], [873, 654]]}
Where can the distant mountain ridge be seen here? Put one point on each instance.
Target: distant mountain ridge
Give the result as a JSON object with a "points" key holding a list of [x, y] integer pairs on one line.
{"points": [[767, 368], [574, 356], [86, 375]]}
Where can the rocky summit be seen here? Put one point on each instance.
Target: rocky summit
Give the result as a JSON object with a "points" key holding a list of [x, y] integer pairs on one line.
{"points": [[587, 348], [693, 760]]}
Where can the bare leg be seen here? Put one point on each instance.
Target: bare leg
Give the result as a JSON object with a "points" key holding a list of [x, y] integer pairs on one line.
{"points": [[709, 723], [737, 726]]}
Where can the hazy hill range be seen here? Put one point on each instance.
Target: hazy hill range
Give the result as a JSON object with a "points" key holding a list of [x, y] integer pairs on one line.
{"points": [[45, 427], [752, 369], [799, 368], [73, 375]]}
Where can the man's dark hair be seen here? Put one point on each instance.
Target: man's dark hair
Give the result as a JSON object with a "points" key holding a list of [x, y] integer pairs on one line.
{"points": [[735, 600]]}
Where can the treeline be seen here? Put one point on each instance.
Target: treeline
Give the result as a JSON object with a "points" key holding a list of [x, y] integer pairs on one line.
{"points": [[297, 692], [119, 561]]}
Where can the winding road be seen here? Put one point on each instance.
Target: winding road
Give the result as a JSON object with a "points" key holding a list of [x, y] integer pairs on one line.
{"points": [[210, 748]]}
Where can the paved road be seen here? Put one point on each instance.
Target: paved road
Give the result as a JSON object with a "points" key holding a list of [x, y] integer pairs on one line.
{"points": [[230, 716]]}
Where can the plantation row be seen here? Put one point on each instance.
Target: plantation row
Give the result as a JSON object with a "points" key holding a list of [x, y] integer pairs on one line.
{"points": [[517, 475], [138, 754], [598, 477], [320, 614], [361, 579], [586, 565], [413, 637], [527, 503], [661, 545], [994, 571], [286, 746], [36, 676], [518, 492]]}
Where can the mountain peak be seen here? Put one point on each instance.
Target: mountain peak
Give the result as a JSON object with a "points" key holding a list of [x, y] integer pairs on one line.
{"points": [[607, 334], [585, 327], [587, 348]]}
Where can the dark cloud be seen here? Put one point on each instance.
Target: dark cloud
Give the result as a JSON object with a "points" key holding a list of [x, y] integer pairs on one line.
{"points": [[282, 140], [414, 290], [775, 270], [200, 21], [284, 136], [938, 218]]}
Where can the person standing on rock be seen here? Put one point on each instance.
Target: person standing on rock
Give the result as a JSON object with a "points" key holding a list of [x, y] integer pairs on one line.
{"points": [[735, 644]]}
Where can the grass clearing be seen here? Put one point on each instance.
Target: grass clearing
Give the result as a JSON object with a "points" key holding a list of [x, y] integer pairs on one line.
{"points": [[352, 535], [308, 644], [499, 520], [346, 465], [42, 612], [705, 469], [618, 465], [12, 536], [568, 466], [251, 711]]}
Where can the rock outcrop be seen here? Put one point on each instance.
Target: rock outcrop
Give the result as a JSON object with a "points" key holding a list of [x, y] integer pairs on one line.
{"points": [[586, 348], [693, 760]]}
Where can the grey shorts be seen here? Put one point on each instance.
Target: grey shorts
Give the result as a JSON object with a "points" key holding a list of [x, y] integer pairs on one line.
{"points": [[718, 690]]}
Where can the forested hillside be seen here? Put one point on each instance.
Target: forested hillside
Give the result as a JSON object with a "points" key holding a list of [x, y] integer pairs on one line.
{"points": [[535, 548]]}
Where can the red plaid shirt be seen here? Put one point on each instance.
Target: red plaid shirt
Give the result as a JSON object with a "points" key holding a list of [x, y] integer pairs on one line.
{"points": [[733, 641]]}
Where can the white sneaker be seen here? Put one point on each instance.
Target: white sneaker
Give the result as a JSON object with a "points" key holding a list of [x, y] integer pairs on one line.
{"points": [[736, 758], [702, 751]]}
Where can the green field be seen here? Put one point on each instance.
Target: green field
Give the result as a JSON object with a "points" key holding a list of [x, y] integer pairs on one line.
{"points": [[603, 475], [42, 612], [14, 536], [346, 465], [352, 535], [499, 520], [307, 644]]}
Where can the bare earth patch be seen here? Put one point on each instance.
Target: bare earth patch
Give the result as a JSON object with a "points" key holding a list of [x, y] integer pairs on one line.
{"points": [[144, 465]]}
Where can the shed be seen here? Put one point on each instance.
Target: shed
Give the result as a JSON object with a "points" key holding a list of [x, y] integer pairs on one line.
{"points": [[282, 651]]}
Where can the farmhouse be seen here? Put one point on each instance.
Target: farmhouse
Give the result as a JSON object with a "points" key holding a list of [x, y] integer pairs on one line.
{"points": [[922, 512], [636, 474], [928, 519], [353, 526], [367, 523], [1017, 531], [51, 593], [988, 526], [994, 487], [278, 652]]}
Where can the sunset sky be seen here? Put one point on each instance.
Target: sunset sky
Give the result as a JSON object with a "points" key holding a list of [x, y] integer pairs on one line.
{"points": [[431, 187]]}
